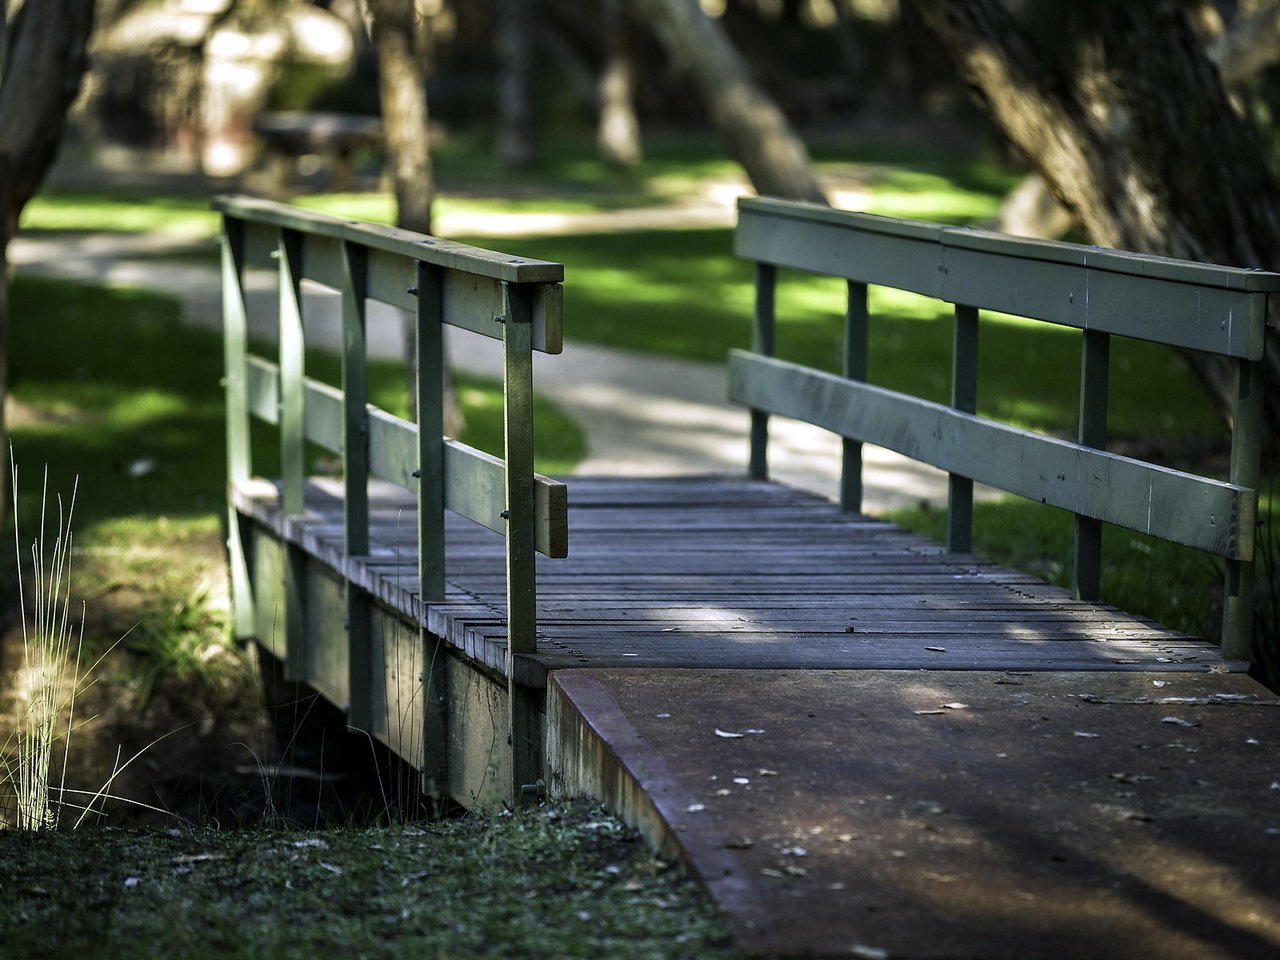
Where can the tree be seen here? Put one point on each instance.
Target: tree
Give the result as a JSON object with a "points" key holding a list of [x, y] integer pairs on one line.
{"points": [[41, 67], [756, 131], [618, 131], [1131, 128], [401, 45], [516, 145]]}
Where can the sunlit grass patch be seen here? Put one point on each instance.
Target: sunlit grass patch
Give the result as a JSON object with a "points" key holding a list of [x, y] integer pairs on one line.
{"points": [[119, 210]]}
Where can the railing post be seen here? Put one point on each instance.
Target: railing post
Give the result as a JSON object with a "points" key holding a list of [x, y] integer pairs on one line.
{"points": [[239, 462], [292, 449], [762, 342], [1095, 359], [855, 368], [1246, 470], [517, 386], [429, 391], [355, 481], [964, 397]]}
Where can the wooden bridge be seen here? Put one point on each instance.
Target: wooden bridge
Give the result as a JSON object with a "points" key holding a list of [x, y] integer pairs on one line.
{"points": [[863, 743]]}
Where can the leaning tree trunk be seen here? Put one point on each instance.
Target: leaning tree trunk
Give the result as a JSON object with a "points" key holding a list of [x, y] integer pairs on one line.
{"points": [[43, 62], [1134, 134], [618, 131], [758, 135], [400, 43]]}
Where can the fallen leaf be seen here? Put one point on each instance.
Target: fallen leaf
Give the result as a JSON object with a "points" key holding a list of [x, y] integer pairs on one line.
{"points": [[1179, 722], [335, 870], [695, 808]]}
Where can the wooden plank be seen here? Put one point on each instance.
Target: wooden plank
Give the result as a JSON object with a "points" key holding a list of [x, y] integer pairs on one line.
{"points": [[964, 397], [864, 249], [473, 481], [856, 355], [1179, 303], [762, 341], [1095, 360], [468, 301], [235, 329], [1180, 507], [443, 253]]}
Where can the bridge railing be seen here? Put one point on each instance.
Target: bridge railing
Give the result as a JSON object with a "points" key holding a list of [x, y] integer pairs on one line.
{"points": [[514, 300], [1104, 293]]}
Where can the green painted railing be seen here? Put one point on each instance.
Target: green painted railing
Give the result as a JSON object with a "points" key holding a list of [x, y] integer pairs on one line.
{"points": [[1104, 293], [514, 300]]}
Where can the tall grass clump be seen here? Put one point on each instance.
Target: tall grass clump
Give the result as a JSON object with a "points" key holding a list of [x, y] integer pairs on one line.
{"points": [[51, 647]]}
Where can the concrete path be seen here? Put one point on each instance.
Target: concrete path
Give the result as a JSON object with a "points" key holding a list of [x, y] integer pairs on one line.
{"points": [[643, 415]]}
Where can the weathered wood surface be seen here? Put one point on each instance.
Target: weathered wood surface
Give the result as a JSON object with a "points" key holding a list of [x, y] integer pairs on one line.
{"points": [[720, 572], [1184, 304]]}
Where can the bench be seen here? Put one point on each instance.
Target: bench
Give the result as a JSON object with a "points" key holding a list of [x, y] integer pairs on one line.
{"points": [[290, 134], [1104, 293]]}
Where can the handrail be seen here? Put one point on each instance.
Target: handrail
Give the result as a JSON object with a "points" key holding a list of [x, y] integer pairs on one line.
{"points": [[1104, 293], [511, 299]]}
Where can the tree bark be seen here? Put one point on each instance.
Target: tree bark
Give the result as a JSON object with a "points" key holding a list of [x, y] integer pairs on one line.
{"points": [[516, 141], [44, 62], [1133, 133], [400, 42], [618, 134], [401, 46], [1250, 44], [756, 131]]}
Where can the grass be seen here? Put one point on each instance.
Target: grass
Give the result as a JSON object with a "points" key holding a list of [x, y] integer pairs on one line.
{"points": [[556, 881], [51, 647]]}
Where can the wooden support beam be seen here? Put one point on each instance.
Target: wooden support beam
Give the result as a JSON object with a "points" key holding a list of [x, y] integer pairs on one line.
{"points": [[964, 397], [856, 351], [1095, 360], [762, 342]]}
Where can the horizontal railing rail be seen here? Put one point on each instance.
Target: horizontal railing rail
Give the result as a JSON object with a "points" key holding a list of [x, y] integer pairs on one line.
{"points": [[514, 300], [1104, 293]]}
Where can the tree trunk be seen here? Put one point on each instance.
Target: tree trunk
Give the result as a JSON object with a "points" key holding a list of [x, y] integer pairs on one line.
{"points": [[618, 134], [516, 141], [1133, 133], [1250, 44], [758, 135], [400, 45], [44, 61]]}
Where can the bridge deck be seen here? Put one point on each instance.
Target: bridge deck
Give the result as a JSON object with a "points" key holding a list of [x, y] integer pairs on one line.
{"points": [[726, 572], [862, 746]]}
